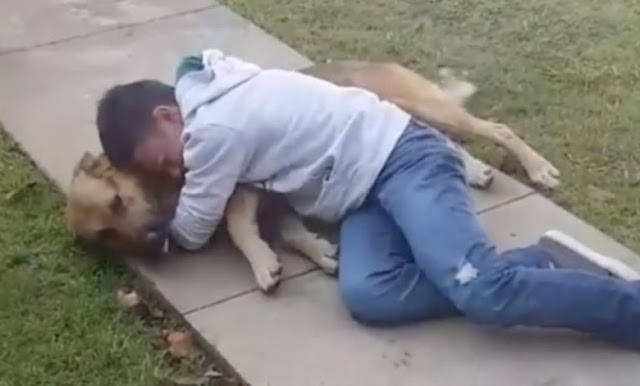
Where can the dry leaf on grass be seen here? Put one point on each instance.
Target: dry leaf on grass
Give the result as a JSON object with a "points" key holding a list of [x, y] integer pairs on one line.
{"points": [[127, 300], [180, 343]]}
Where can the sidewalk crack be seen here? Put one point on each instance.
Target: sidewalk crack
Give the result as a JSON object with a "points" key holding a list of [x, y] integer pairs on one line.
{"points": [[118, 27]]}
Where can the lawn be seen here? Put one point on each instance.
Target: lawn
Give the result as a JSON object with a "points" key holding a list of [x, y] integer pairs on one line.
{"points": [[564, 75], [59, 323]]}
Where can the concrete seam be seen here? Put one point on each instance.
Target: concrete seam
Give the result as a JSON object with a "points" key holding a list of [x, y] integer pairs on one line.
{"points": [[510, 201], [107, 30], [240, 294]]}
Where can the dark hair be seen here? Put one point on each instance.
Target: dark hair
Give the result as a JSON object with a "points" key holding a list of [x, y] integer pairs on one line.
{"points": [[124, 117]]}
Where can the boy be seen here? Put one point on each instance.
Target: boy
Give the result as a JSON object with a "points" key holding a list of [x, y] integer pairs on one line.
{"points": [[411, 247]]}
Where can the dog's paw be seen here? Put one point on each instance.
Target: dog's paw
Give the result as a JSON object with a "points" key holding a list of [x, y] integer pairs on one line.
{"points": [[267, 272], [323, 253], [544, 174], [329, 265], [479, 174]]}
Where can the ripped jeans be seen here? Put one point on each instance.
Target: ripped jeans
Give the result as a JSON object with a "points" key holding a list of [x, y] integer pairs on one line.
{"points": [[415, 251]]}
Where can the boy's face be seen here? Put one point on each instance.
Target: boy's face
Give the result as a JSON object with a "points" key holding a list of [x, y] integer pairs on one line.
{"points": [[161, 150]]}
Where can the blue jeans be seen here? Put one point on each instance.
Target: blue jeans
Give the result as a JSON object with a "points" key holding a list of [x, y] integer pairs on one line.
{"points": [[415, 251]]}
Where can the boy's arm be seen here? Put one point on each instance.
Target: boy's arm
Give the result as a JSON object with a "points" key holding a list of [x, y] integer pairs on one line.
{"points": [[214, 157]]}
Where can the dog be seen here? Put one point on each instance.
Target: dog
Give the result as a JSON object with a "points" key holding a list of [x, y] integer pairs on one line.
{"points": [[129, 212]]}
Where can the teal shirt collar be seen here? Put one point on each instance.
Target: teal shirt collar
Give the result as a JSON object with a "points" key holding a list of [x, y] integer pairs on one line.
{"points": [[189, 64]]}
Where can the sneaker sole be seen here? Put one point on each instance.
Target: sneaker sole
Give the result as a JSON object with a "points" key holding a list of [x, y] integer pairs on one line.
{"points": [[571, 253]]}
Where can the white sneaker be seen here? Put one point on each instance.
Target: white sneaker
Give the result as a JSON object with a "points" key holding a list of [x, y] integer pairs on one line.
{"points": [[570, 253]]}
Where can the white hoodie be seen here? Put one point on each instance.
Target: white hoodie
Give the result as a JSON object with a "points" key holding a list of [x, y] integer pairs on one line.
{"points": [[319, 144]]}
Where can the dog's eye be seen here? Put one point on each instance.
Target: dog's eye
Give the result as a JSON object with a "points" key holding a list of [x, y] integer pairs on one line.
{"points": [[106, 233], [116, 203]]}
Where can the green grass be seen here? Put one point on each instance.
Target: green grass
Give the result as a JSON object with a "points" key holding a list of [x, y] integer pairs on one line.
{"points": [[565, 75], [59, 324], [58, 321]]}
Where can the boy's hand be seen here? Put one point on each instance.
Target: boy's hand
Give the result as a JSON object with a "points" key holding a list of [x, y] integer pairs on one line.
{"points": [[214, 157]]}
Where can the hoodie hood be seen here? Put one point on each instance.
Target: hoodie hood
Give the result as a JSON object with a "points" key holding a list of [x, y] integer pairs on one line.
{"points": [[202, 79]]}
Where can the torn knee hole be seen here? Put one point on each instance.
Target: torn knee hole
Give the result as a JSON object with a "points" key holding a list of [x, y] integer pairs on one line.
{"points": [[466, 273]]}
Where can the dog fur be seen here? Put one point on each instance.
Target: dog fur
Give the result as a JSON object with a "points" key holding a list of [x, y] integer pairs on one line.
{"points": [[129, 212]]}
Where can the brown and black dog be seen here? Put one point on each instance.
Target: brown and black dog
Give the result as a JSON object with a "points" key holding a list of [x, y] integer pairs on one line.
{"points": [[130, 212]]}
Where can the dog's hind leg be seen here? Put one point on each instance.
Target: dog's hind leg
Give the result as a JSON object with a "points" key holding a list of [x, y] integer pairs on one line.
{"points": [[443, 109], [440, 106], [479, 174], [296, 235], [242, 216], [456, 121]]}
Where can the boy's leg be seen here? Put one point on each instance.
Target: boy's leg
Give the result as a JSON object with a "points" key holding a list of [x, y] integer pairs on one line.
{"points": [[379, 280], [423, 188]]}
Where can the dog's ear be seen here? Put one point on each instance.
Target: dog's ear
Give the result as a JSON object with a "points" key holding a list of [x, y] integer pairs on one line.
{"points": [[86, 163]]}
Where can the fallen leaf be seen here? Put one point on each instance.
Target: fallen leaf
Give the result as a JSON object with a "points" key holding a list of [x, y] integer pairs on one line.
{"points": [[127, 300], [180, 343]]}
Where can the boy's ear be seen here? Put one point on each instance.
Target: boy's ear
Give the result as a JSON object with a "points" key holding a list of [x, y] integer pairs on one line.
{"points": [[166, 113], [162, 113]]}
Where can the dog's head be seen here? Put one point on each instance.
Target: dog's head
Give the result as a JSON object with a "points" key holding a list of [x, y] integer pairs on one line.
{"points": [[121, 210]]}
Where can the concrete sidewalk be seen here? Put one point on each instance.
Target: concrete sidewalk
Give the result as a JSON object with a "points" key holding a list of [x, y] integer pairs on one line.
{"points": [[57, 57]]}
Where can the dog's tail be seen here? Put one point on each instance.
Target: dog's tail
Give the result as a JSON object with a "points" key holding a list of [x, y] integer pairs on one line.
{"points": [[458, 90]]}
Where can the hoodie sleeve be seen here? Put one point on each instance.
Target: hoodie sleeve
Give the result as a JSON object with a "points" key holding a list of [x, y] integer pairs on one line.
{"points": [[214, 157]]}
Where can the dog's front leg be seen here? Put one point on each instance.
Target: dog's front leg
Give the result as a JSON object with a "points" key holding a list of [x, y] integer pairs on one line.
{"points": [[296, 235], [242, 216]]}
